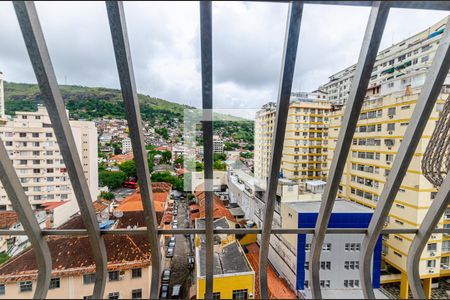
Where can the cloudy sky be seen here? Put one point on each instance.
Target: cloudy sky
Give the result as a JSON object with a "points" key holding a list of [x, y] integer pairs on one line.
{"points": [[164, 37]]}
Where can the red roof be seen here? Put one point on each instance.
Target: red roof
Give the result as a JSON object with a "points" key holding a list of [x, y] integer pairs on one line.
{"points": [[8, 219], [219, 208], [52, 205], [278, 287], [72, 255], [120, 158], [182, 171], [163, 148], [161, 191]]}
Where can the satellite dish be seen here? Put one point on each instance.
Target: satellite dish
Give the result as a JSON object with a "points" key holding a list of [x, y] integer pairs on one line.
{"points": [[118, 213]]}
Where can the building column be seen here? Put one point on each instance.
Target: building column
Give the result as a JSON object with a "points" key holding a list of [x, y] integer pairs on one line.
{"points": [[427, 287], [404, 286]]}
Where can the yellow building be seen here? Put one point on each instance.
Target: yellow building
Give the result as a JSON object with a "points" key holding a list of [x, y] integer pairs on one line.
{"points": [[233, 277], [305, 145], [379, 132]]}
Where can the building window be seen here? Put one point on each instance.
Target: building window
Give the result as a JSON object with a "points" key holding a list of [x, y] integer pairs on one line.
{"points": [[113, 275], [431, 263], [325, 283], [307, 247], [306, 284], [216, 296], [391, 111], [48, 134], [2, 289], [137, 294], [113, 295], [35, 134], [326, 247], [88, 278], [432, 247], [240, 294], [26, 286], [325, 265], [306, 265], [22, 134], [391, 126], [54, 283], [136, 273]]}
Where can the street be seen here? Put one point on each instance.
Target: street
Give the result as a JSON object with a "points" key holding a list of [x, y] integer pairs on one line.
{"points": [[179, 263]]}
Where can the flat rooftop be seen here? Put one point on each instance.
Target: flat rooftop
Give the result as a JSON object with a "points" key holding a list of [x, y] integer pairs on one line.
{"points": [[219, 223], [343, 294], [230, 259], [340, 206]]}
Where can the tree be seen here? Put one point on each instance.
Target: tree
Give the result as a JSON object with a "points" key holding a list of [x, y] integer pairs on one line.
{"points": [[129, 168], [220, 165], [163, 132], [179, 161], [246, 154], [199, 166], [176, 182], [107, 196], [112, 179], [219, 156], [3, 257], [166, 156]]}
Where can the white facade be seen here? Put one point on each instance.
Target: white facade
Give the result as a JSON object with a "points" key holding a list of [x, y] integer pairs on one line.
{"points": [[31, 144], [126, 145], [410, 55], [2, 97]]}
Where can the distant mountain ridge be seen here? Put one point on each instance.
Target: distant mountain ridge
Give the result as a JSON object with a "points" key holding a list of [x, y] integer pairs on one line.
{"points": [[95, 102]]}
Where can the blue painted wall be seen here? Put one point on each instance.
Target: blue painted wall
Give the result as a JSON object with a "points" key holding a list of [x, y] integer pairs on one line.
{"points": [[337, 220]]}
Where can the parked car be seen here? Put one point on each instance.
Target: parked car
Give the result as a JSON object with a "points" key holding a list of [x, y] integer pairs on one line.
{"points": [[175, 221], [175, 213], [164, 291], [174, 226], [166, 276], [176, 291], [169, 253], [172, 244], [191, 262]]}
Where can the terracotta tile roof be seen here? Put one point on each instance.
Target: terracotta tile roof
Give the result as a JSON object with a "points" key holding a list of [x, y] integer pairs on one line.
{"points": [[219, 208], [129, 218], [101, 204], [52, 205], [161, 191], [120, 158], [8, 219], [164, 148], [72, 255], [278, 287]]}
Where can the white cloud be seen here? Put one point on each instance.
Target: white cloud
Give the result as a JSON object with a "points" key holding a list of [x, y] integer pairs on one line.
{"points": [[164, 37]]}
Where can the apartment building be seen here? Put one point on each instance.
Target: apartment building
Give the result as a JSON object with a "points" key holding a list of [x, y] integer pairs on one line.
{"points": [[218, 144], [305, 145], [233, 277], [413, 53], [126, 145], [2, 96], [32, 146], [339, 265], [394, 89], [73, 274], [379, 132]]}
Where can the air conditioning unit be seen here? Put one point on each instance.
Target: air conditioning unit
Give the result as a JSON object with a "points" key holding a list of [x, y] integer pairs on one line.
{"points": [[433, 254], [430, 271], [391, 116], [390, 132], [388, 162], [433, 237]]}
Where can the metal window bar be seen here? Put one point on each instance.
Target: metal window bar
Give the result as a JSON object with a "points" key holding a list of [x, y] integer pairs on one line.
{"points": [[207, 127], [34, 40], [117, 23], [48, 85], [284, 96], [422, 111], [369, 50]]}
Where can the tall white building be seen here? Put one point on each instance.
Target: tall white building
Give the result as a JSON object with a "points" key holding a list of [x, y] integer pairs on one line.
{"points": [[412, 55], [126, 145], [2, 97], [32, 146]]}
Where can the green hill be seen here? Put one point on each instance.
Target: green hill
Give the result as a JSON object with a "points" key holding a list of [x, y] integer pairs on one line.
{"points": [[96, 102]]}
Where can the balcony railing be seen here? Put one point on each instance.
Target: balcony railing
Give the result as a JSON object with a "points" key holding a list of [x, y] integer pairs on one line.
{"points": [[40, 59]]}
